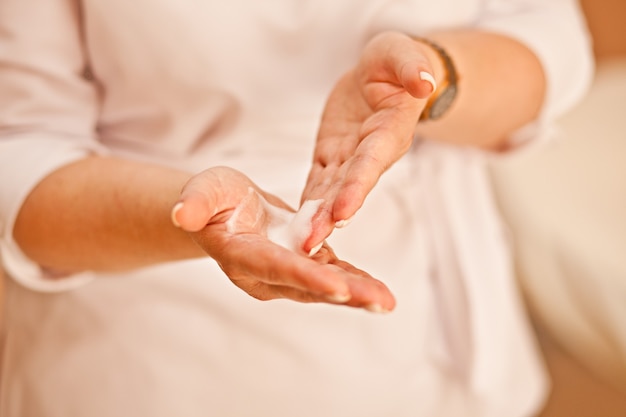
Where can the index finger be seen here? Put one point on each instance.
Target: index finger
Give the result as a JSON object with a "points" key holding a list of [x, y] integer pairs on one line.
{"points": [[387, 141]]}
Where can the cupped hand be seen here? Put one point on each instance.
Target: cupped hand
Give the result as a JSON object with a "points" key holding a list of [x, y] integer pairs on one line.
{"points": [[232, 220], [367, 125]]}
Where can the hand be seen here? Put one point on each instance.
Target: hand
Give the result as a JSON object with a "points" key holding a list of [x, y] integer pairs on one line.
{"points": [[231, 218], [367, 125]]}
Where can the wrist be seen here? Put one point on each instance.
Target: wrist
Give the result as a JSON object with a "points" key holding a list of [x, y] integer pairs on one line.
{"points": [[446, 77]]}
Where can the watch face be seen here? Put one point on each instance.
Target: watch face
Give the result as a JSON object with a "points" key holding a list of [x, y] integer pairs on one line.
{"points": [[443, 102]]}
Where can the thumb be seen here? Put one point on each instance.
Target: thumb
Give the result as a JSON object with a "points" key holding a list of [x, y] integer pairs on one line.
{"points": [[413, 68], [397, 58], [195, 208]]}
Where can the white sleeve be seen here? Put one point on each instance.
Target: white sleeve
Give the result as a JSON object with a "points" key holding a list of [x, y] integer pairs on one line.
{"points": [[48, 113], [556, 31]]}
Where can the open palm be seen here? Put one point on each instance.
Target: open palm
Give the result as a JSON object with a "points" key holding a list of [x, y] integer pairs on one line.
{"points": [[231, 219], [367, 125]]}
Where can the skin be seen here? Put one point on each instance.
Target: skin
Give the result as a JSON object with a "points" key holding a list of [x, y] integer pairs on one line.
{"points": [[114, 214], [372, 113], [123, 220]]}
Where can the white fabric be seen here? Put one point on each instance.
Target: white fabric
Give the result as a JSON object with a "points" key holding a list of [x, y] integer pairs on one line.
{"points": [[242, 83]]}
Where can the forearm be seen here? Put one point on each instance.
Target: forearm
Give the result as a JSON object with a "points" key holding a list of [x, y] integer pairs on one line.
{"points": [[501, 88], [104, 214]]}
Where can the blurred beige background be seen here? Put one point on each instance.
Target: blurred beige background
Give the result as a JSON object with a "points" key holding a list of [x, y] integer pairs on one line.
{"points": [[565, 204]]}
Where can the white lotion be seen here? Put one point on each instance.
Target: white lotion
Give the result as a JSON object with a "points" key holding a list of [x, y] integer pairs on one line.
{"points": [[284, 227], [289, 229]]}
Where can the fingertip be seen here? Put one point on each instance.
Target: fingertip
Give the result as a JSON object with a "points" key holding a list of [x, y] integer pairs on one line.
{"points": [[339, 224], [321, 227], [314, 242], [422, 86], [384, 303], [174, 213], [382, 307], [345, 209], [377, 308], [430, 79], [418, 79], [315, 249], [191, 214]]}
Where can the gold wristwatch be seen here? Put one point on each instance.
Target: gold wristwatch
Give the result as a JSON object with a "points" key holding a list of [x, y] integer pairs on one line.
{"points": [[441, 99]]}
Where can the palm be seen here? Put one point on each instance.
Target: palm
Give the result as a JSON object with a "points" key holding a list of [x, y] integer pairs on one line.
{"points": [[230, 218], [367, 125]]}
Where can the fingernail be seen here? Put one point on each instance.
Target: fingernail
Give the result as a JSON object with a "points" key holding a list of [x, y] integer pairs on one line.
{"points": [[315, 249], [376, 308], [339, 298], [427, 76], [175, 210], [343, 223]]}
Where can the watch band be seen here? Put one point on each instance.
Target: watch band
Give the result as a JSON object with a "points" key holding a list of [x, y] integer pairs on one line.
{"points": [[441, 99]]}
